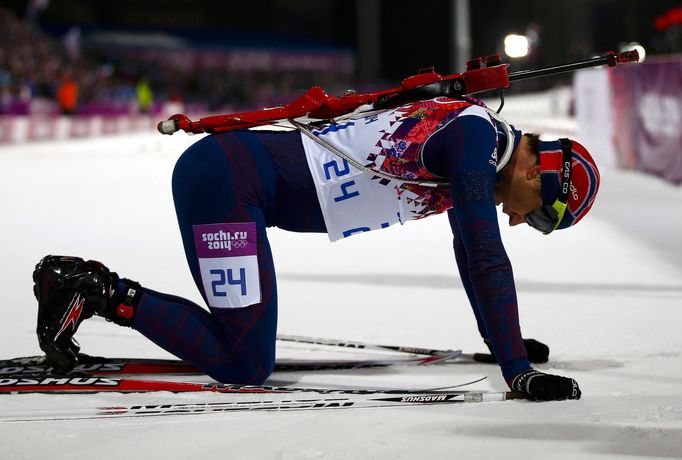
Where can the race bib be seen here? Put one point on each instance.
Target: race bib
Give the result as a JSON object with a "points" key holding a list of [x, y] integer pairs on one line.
{"points": [[228, 261]]}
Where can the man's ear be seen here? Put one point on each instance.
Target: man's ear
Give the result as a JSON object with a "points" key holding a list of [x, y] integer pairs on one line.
{"points": [[532, 172]]}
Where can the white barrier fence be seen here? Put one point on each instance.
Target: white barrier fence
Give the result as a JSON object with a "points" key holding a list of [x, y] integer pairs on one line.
{"points": [[546, 113], [549, 113], [20, 129]]}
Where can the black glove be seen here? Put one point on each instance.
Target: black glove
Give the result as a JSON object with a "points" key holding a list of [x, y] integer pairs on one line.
{"points": [[537, 352], [539, 386]]}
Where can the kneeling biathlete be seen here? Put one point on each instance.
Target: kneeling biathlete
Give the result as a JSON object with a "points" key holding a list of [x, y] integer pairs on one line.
{"points": [[361, 173]]}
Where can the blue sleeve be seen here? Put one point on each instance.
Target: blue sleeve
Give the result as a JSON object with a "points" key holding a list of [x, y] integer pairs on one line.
{"points": [[463, 267], [467, 145]]}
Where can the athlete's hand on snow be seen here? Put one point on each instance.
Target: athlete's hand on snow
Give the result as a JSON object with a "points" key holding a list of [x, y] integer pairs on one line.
{"points": [[539, 386], [537, 351]]}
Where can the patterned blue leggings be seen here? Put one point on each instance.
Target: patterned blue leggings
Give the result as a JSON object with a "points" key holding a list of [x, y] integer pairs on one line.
{"points": [[259, 177]]}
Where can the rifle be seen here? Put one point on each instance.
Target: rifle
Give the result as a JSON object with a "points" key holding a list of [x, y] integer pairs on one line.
{"points": [[480, 76]]}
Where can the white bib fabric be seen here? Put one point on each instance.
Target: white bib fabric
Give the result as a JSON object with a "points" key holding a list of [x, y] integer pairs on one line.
{"points": [[354, 200]]}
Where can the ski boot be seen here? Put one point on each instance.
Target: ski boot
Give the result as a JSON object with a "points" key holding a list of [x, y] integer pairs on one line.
{"points": [[70, 290]]}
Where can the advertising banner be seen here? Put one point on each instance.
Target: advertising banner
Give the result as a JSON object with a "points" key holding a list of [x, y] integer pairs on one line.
{"points": [[647, 117]]}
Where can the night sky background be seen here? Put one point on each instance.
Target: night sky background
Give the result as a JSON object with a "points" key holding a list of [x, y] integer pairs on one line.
{"points": [[413, 34]]}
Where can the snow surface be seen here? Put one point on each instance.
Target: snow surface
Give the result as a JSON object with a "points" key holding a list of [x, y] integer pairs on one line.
{"points": [[606, 296]]}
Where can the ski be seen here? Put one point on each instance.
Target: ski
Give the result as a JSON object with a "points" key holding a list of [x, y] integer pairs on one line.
{"points": [[478, 357], [94, 365], [287, 403], [93, 384]]}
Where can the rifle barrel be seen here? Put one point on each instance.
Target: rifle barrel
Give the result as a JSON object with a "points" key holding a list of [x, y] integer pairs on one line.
{"points": [[611, 59], [526, 74]]}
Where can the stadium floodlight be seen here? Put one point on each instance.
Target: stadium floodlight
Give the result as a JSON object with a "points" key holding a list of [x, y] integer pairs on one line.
{"points": [[516, 46], [635, 46]]}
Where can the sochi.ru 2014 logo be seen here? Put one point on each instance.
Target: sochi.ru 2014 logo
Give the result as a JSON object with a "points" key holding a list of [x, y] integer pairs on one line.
{"points": [[225, 240]]}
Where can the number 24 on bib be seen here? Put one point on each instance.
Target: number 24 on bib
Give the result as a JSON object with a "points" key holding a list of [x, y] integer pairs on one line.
{"points": [[228, 261]]}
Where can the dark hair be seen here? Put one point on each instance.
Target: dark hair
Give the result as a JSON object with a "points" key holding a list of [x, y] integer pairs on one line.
{"points": [[534, 144]]}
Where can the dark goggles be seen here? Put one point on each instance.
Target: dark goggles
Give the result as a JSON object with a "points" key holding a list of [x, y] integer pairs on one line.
{"points": [[547, 218]]}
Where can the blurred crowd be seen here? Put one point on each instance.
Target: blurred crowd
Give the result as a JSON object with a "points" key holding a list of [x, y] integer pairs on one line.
{"points": [[41, 74]]}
